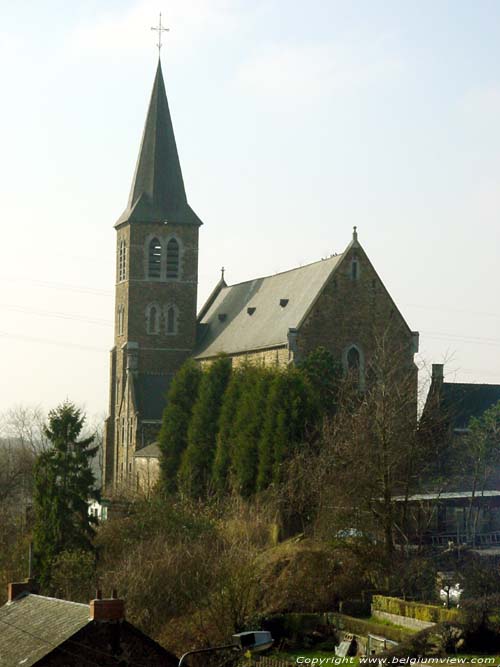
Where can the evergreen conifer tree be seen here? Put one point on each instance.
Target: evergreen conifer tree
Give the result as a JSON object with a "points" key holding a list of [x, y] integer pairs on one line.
{"points": [[325, 377], [181, 398], [197, 461], [291, 409], [226, 431], [63, 484], [248, 420]]}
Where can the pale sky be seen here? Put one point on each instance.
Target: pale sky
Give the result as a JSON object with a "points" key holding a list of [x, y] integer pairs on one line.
{"points": [[294, 121]]}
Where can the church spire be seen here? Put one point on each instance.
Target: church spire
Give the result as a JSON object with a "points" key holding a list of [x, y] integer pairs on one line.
{"points": [[157, 193]]}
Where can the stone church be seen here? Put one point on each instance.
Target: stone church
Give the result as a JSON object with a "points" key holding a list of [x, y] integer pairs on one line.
{"points": [[338, 302]]}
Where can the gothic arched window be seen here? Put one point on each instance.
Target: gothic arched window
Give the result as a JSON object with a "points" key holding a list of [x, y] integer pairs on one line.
{"points": [[353, 359], [121, 317], [355, 267], [152, 319], [172, 259], [171, 320], [354, 365], [154, 259], [122, 261]]}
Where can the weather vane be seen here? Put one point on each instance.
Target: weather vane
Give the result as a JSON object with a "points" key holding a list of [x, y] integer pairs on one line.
{"points": [[159, 30]]}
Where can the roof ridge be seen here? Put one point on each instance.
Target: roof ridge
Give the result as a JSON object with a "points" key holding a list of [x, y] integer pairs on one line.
{"points": [[47, 597], [280, 273]]}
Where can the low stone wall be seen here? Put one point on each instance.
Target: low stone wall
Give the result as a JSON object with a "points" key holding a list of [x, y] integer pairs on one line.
{"points": [[429, 614], [412, 623]]}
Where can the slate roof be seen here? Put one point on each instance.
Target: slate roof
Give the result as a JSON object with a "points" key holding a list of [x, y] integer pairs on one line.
{"points": [[150, 395], [226, 326], [32, 626], [151, 451], [466, 400], [157, 193]]}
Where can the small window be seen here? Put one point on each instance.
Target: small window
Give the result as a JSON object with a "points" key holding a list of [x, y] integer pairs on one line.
{"points": [[152, 319], [354, 366], [121, 318], [354, 268], [172, 259], [122, 261], [171, 318], [353, 359], [154, 259]]}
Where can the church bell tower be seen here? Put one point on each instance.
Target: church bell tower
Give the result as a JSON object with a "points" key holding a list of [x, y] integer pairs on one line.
{"points": [[155, 295]]}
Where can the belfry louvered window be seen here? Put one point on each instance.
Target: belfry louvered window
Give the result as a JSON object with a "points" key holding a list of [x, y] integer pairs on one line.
{"points": [[154, 259], [122, 261], [172, 259]]}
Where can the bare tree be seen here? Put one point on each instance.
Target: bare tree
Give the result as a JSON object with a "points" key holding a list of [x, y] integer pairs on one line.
{"points": [[371, 458]]}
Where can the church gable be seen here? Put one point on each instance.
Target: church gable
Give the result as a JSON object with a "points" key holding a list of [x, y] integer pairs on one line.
{"points": [[352, 312], [259, 314]]}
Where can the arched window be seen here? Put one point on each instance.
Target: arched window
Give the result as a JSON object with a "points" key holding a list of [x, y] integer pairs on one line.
{"points": [[152, 319], [121, 317], [171, 320], [354, 365], [122, 261], [353, 359], [172, 259], [354, 267], [154, 259]]}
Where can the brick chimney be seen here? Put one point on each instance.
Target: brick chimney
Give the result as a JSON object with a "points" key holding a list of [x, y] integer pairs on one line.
{"points": [[15, 589], [107, 609], [437, 374]]}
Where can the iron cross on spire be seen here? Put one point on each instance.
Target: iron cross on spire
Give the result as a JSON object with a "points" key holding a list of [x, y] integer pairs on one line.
{"points": [[159, 30]]}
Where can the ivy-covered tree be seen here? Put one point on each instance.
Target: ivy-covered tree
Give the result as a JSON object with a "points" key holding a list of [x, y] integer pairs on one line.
{"points": [[197, 461], [177, 415], [64, 483], [291, 410]]}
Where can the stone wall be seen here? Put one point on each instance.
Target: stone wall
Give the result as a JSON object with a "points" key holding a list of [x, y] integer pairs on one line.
{"points": [[355, 309]]}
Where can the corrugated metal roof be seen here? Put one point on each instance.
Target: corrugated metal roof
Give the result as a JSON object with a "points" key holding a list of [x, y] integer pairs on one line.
{"points": [[32, 626], [230, 326]]}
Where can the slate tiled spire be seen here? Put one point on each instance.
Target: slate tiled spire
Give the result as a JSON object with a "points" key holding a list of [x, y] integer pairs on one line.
{"points": [[157, 193]]}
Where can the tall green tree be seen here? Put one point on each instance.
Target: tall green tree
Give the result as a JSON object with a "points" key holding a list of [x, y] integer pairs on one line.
{"points": [[325, 376], [291, 410], [181, 399], [226, 431], [248, 420], [64, 482], [197, 461]]}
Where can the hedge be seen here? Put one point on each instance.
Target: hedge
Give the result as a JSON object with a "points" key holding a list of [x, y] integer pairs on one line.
{"points": [[416, 610], [362, 628]]}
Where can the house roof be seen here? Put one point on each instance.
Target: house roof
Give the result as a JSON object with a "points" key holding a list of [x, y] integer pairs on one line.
{"points": [[151, 451], [150, 395], [277, 304], [157, 193], [33, 625], [462, 401]]}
